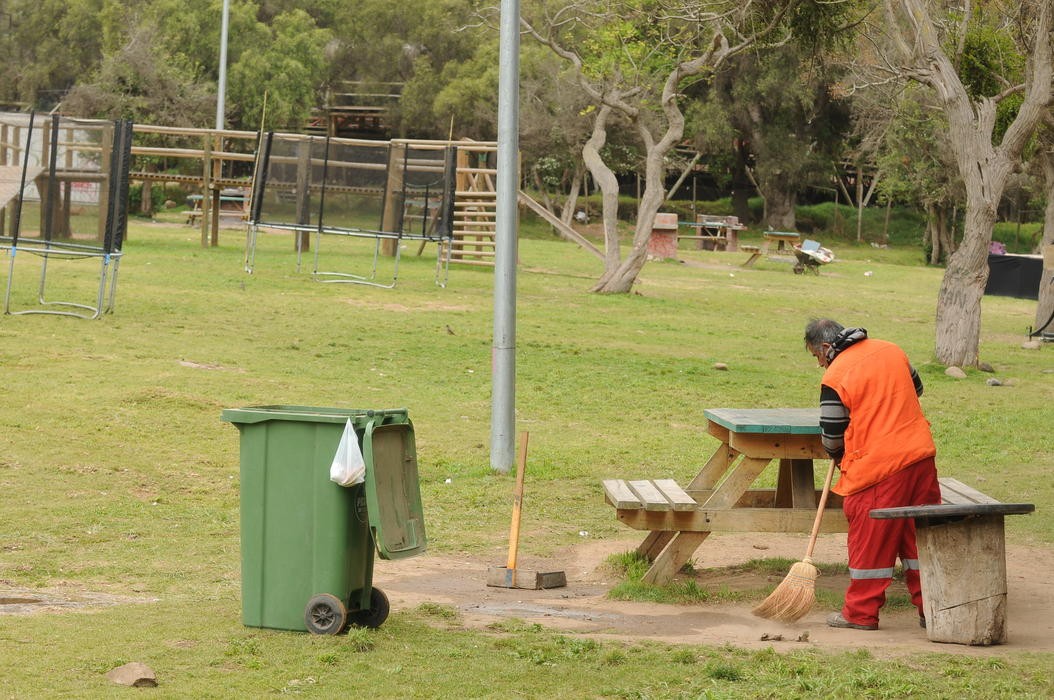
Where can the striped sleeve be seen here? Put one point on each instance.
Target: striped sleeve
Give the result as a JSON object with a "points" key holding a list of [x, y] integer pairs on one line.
{"points": [[916, 380], [834, 419]]}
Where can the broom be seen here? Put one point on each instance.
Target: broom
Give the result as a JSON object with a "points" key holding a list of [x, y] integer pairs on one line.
{"points": [[794, 597]]}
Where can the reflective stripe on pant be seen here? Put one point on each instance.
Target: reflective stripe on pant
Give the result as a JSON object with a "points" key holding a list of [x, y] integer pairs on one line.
{"points": [[874, 545]]}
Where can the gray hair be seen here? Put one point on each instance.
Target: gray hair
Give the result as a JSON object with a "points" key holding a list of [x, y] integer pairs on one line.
{"points": [[821, 330]]}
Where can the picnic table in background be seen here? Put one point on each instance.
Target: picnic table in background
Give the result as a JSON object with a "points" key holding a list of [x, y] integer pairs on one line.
{"points": [[232, 203], [784, 239], [713, 232], [720, 498]]}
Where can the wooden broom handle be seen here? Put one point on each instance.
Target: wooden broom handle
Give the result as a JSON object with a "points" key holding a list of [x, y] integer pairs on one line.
{"points": [[517, 502], [819, 512]]}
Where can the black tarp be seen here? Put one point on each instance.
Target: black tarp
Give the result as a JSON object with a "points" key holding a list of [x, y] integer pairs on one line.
{"points": [[1014, 276]]}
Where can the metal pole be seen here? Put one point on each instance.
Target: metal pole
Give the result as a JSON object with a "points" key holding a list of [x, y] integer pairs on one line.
{"points": [[503, 350], [221, 95]]}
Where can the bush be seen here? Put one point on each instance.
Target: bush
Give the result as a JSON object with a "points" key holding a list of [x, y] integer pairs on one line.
{"points": [[135, 199]]}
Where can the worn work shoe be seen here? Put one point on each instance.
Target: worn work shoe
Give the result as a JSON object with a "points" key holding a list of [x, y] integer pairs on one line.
{"points": [[836, 620]]}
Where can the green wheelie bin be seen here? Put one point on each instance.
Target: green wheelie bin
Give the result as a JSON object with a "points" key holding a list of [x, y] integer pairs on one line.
{"points": [[307, 543]]}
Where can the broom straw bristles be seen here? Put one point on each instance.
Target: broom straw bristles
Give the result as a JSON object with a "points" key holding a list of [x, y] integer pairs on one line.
{"points": [[793, 598]]}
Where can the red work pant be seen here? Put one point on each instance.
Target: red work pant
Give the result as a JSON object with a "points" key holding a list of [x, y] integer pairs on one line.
{"points": [[874, 545]]}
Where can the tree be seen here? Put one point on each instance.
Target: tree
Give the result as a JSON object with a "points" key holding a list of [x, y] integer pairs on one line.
{"points": [[779, 103], [288, 66], [139, 81], [1045, 308], [915, 158], [934, 54], [632, 59], [422, 46], [46, 46]]}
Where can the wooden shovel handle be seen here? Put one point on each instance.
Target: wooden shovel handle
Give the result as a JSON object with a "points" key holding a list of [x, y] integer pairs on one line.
{"points": [[819, 512], [517, 502]]}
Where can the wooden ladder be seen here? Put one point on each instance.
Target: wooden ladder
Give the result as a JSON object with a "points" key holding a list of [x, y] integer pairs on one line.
{"points": [[475, 212]]}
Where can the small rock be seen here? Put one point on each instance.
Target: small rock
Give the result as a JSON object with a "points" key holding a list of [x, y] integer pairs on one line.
{"points": [[804, 636], [761, 546], [992, 381], [1032, 344], [135, 675], [955, 372], [985, 367], [721, 366], [771, 637]]}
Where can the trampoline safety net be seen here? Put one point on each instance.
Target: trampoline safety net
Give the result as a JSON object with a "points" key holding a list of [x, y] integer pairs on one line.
{"points": [[351, 197], [63, 201]]}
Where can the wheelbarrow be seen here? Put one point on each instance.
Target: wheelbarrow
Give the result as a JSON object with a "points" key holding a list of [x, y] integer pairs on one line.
{"points": [[811, 255]]}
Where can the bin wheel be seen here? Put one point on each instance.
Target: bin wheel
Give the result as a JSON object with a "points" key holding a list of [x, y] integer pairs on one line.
{"points": [[377, 613], [325, 614]]}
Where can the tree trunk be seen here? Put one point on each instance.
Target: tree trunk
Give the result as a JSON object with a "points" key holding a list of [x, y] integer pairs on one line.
{"points": [[940, 223], [932, 237], [959, 299], [146, 203], [742, 185], [567, 214], [620, 280], [543, 191], [947, 232], [608, 183], [1045, 308], [779, 207]]}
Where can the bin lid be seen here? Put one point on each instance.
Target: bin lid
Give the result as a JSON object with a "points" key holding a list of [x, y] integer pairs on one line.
{"points": [[393, 489], [359, 416]]}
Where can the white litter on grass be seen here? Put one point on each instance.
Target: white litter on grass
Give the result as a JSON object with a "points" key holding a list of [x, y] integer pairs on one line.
{"points": [[583, 533], [868, 273], [448, 481]]}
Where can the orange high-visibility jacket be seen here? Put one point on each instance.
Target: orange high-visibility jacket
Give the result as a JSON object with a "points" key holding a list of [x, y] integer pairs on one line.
{"points": [[887, 431]]}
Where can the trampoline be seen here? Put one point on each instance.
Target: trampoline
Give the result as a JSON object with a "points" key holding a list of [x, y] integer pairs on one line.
{"points": [[338, 193], [67, 204]]}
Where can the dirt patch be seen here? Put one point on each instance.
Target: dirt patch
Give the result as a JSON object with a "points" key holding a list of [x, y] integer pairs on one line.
{"points": [[582, 607], [26, 601]]}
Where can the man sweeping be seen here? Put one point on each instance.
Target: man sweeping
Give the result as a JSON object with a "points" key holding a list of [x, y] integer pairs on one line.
{"points": [[872, 426]]}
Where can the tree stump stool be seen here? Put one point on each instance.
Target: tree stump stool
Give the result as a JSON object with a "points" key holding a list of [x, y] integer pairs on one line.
{"points": [[962, 561]]}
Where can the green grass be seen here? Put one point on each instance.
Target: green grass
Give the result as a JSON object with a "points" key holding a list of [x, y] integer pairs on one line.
{"points": [[118, 476]]}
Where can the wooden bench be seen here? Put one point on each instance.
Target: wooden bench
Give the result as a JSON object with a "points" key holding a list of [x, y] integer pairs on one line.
{"points": [[962, 562], [755, 253], [660, 494]]}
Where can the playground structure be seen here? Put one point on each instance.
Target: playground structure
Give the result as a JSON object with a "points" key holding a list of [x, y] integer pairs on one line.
{"points": [[389, 192], [63, 200], [210, 161], [336, 191], [356, 109]]}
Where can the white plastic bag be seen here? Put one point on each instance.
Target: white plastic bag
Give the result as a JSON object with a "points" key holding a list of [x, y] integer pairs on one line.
{"points": [[348, 467]]}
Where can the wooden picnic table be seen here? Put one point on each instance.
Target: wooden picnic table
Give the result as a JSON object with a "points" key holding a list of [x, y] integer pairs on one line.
{"points": [[720, 497], [712, 232], [230, 204], [784, 239]]}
